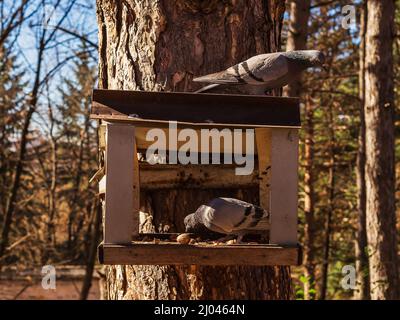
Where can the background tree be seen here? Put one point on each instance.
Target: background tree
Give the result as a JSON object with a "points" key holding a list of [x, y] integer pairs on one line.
{"points": [[44, 40], [11, 106], [11, 18], [42, 190], [297, 40], [330, 113], [78, 146], [362, 267], [380, 157]]}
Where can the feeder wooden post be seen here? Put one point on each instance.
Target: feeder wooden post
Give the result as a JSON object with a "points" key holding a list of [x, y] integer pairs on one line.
{"points": [[284, 180], [119, 225], [263, 141]]}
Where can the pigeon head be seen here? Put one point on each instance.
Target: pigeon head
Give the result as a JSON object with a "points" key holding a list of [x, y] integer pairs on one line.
{"points": [[316, 58], [307, 58], [190, 223]]}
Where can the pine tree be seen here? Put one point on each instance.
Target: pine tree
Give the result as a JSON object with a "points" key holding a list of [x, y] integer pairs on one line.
{"points": [[78, 147], [11, 102]]}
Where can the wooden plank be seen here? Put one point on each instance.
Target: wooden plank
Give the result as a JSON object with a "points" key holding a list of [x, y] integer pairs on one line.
{"points": [[118, 224], [263, 140], [156, 177], [110, 115], [97, 176], [284, 188], [178, 254], [102, 136], [136, 191], [162, 176], [196, 108]]}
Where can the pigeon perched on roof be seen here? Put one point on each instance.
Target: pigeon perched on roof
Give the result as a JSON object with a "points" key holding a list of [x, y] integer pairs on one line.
{"points": [[264, 72], [227, 216]]}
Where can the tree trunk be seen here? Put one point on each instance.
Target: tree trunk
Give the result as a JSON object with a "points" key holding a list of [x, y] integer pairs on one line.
{"points": [[309, 203], [52, 201], [74, 206], [330, 205], [380, 173], [297, 40], [362, 292], [12, 197], [160, 45], [92, 252], [52, 193], [297, 37]]}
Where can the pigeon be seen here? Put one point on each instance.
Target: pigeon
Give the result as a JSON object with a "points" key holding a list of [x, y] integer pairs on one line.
{"points": [[264, 72], [227, 216]]}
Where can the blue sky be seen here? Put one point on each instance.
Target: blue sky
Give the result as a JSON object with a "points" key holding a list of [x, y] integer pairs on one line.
{"points": [[81, 20]]}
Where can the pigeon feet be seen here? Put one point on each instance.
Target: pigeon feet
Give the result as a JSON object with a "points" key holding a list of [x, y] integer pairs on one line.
{"points": [[240, 237], [227, 238]]}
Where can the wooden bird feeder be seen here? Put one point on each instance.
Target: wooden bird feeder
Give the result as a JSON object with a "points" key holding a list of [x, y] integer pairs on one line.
{"points": [[127, 116]]}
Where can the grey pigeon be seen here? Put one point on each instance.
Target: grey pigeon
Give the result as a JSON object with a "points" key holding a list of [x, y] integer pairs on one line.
{"points": [[227, 216], [264, 72]]}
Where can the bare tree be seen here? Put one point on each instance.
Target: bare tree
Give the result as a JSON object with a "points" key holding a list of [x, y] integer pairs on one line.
{"points": [[92, 252], [45, 38], [11, 18]]}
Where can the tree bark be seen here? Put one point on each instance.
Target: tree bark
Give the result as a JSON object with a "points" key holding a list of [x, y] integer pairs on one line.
{"points": [[52, 194], [330, 205], [309, 203], [362, 292], [297, 40], [92, 252], [297, 37], [380, 173], [160, 45]]}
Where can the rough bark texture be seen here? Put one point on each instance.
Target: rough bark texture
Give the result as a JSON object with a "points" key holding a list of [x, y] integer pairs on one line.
{"points": [[362, 292], [309, 202], [380, 173], [330, 205], [161, 45]]}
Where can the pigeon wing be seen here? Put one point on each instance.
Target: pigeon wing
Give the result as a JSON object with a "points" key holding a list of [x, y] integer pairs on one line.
{"points": [[273, 68], [227, 214], [258, 219], [223, 77], [204, 215], [257, 71]]}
